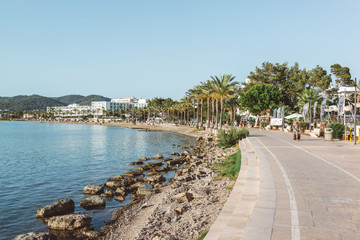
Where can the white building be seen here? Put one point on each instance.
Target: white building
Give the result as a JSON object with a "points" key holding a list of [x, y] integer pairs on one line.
{"points": [[141, 103], [128, 102], [98, 108], [70, 110]]}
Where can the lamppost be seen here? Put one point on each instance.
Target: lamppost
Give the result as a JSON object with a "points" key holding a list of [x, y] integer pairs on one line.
{"points": [[355, 100]]}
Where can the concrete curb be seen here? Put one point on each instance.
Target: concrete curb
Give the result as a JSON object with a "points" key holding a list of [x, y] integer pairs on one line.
{"points": [[233, 218]]}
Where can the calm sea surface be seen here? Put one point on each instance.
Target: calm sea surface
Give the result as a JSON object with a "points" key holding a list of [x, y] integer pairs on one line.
{"points": [[42, 162]]}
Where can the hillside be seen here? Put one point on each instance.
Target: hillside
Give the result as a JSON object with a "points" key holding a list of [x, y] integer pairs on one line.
{"points": [[36, 102], [23, 102], [69, 99], [88, 99]]}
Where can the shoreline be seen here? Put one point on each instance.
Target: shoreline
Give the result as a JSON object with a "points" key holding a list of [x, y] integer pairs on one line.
{"points": [[111, 229]]}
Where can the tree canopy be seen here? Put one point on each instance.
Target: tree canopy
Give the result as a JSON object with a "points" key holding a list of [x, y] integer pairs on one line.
{"points": [[262, 97]]}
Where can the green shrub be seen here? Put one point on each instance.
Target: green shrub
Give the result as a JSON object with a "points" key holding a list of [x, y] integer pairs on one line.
{"points": [[338, 129], [304, 125], [231, 137], [244, 133]]}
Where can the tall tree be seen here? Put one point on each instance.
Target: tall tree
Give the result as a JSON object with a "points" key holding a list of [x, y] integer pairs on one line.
{"points": [[319, 79], [342, 74], [225, 86], [262, 97]]}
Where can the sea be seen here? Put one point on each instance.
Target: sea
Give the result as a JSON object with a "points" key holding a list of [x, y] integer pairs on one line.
{"points": [[43, 162]]}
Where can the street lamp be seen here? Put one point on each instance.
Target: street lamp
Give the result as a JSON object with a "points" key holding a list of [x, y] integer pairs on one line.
{"points": [[355, 100]]}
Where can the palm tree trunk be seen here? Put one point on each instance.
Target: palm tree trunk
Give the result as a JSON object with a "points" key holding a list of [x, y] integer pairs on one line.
{"points": [[213, 113], [201, 113], [208, 113], [217, 114], [184, 117], [234, 113], [221, 111], [197, 113], [188, 117], [231, 115]]}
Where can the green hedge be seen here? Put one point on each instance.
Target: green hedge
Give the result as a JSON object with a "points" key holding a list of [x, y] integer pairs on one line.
{"points": [[231, 137], [338, 130], [304, 125]]}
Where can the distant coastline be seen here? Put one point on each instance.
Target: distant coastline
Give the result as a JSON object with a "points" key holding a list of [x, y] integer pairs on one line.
{"points": [[167, 127]]}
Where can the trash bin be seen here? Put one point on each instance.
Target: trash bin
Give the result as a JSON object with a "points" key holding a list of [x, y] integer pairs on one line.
{"points": [[328, 134]]}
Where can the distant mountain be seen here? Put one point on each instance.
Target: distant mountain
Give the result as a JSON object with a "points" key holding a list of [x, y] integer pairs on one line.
{"points": [[91, 98], [23, 102], [36, 102], [69, 99]]}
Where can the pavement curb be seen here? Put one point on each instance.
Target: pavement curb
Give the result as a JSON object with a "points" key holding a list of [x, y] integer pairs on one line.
{"points": [[233, 218]]}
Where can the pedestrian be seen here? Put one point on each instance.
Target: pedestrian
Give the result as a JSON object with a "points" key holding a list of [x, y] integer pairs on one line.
{"points": [[296, 130]]}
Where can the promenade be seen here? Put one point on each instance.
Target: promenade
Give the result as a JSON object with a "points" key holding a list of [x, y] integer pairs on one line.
{"points": [[307, 189]]}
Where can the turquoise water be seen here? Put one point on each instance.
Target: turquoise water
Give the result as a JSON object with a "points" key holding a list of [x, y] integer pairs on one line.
{"points": [[42, 162]]}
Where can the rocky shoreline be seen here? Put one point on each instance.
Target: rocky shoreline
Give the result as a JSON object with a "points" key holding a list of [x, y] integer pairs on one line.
{"points": [[182, 208]]}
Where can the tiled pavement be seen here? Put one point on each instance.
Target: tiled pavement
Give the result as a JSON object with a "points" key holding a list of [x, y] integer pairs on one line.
{"points": [[308, 189]]}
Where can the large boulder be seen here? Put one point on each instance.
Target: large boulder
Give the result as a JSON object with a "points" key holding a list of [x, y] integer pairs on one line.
{"points": [[93, 189], [117, 178], [93, 202], [174, 154], [137, 163], [136, 186], [36, 236], [175, 162], [69, 222], [155, 179], [132, 174], [115, 184], [143, 191], [158, 156], [153, 164], [60, 207], [120, 192]]}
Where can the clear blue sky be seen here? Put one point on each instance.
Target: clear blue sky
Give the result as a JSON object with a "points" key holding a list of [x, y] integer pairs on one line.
{"points": [[163, 48]]}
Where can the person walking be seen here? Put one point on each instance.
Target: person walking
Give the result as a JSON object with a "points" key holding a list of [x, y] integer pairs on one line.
{"points": [[296, 130]]}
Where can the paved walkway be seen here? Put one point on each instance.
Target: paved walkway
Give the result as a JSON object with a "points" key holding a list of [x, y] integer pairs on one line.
{"points": [[308, 189]]}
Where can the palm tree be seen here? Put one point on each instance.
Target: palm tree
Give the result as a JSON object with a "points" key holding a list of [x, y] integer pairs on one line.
{"points": [[207, 90], [224, 87], [232, 103], [308, 95], [200, 94]]}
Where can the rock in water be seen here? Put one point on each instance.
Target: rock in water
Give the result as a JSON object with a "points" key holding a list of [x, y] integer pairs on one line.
{"points": [[93, 189], [60, 207], [143, 191], [36, 236], [109, 193], [158, 156], [155, 179], [137, 163], [69, 222], [93, 202], [115, 184], [117, 178], [143, 159], [120, 198]]}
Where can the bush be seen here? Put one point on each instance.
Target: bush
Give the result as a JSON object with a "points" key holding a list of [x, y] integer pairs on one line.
{"points": [[338, 130], [304, 125], [231, 137]]}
